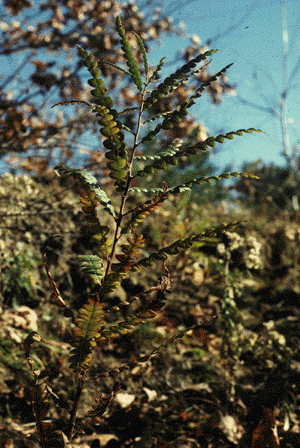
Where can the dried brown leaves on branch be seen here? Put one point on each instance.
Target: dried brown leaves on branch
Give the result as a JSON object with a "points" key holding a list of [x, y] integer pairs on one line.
{"points": [[38, 47]]}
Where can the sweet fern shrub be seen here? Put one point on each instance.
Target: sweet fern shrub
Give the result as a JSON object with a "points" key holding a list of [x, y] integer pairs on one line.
{"points": [[120, 246]]}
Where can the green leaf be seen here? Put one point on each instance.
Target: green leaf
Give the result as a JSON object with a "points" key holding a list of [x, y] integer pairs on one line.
{"points": [[128, 129], [92, 265], [143, 50], [84, 174], [174, 80], [105, 201], [117, 164], [118, 68], [210, 141], [200, 180], [88, 324], [158, 68], [129, 56], [90, 180], [147, 157], [213, 235], [145, 190]]}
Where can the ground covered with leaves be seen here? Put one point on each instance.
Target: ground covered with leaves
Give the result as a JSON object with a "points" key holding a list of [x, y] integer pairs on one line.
{"points": [[232, 381]]}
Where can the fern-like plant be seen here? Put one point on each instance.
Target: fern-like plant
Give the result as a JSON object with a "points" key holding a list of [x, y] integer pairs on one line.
{"points": [[120, 247]]}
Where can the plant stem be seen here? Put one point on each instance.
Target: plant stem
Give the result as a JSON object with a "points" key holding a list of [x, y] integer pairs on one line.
{"points": [[125, 192], [38, 419], [75, 406]]}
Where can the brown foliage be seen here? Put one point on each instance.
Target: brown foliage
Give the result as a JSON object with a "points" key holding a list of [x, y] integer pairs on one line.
{"points": [[266, 433]]}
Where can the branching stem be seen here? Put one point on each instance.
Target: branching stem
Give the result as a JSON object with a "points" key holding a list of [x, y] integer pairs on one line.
{"points": [[129, 179]]}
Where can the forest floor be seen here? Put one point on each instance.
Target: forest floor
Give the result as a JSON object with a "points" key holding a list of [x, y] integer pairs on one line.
{"points": [[233, 380]]}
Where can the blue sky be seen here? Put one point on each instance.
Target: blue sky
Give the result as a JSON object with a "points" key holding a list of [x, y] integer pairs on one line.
{"points": [[255, 46]]}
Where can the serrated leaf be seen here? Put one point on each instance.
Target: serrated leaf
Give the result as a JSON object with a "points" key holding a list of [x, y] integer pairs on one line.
{"points": [[84, 174], [105, 201], [92, 265], [87, 325]]}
